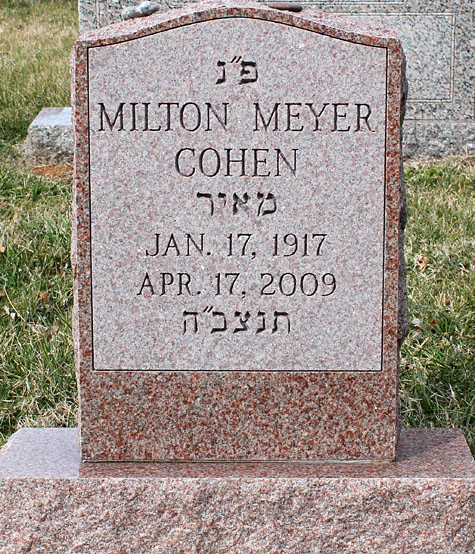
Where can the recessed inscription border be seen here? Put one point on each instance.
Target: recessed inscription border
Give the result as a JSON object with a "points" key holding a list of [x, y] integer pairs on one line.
{"points": [[450, 99], [246, 371]]}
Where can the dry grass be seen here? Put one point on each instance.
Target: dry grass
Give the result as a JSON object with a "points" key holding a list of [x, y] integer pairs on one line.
{"points": [[438, 368], [35, 41]]}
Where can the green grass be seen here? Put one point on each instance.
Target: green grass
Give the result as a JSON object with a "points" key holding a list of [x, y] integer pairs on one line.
{"points": [[37, 383], [437, 369], [35, 41]]}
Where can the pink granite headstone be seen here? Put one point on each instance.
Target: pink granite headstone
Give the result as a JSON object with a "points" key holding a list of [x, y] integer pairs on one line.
{"points": [[237, 220], [239, 296]]}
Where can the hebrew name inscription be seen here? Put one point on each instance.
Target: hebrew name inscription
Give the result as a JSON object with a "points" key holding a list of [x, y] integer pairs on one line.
{"points": [[246, 229]]}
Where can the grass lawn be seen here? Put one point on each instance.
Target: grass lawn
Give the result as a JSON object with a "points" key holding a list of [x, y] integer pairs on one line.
{"points": [[37, 382]]}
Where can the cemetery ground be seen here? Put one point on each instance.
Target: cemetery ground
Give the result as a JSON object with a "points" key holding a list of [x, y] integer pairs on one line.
{"points": [[37, 382]]}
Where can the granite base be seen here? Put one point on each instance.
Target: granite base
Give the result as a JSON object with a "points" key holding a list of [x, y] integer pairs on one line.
{"points": [[422, 503]]}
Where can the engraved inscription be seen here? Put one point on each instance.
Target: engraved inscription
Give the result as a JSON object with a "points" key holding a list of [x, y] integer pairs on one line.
{"points": [[191, 117], [240, 322], [245, 231], [247, 71]]}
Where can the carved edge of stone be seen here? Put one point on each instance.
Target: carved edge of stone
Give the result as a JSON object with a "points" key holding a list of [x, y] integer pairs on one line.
{"points": [[403, 317]]}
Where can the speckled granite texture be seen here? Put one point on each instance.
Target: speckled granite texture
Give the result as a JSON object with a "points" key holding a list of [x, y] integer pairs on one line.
{"points": [[423, 503], [437, 38], [321, 381]]}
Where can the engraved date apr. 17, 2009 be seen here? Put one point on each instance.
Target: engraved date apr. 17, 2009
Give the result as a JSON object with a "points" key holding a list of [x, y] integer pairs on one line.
{"points": [[230, 283]]}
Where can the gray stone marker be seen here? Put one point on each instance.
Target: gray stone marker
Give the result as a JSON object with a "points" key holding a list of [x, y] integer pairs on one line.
{"points": [[50, 139], [438, 39]]}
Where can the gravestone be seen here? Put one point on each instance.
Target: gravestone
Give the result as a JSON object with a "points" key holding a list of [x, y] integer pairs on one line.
{"points": [[237, 240], [234, 409], [437, 38]]}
